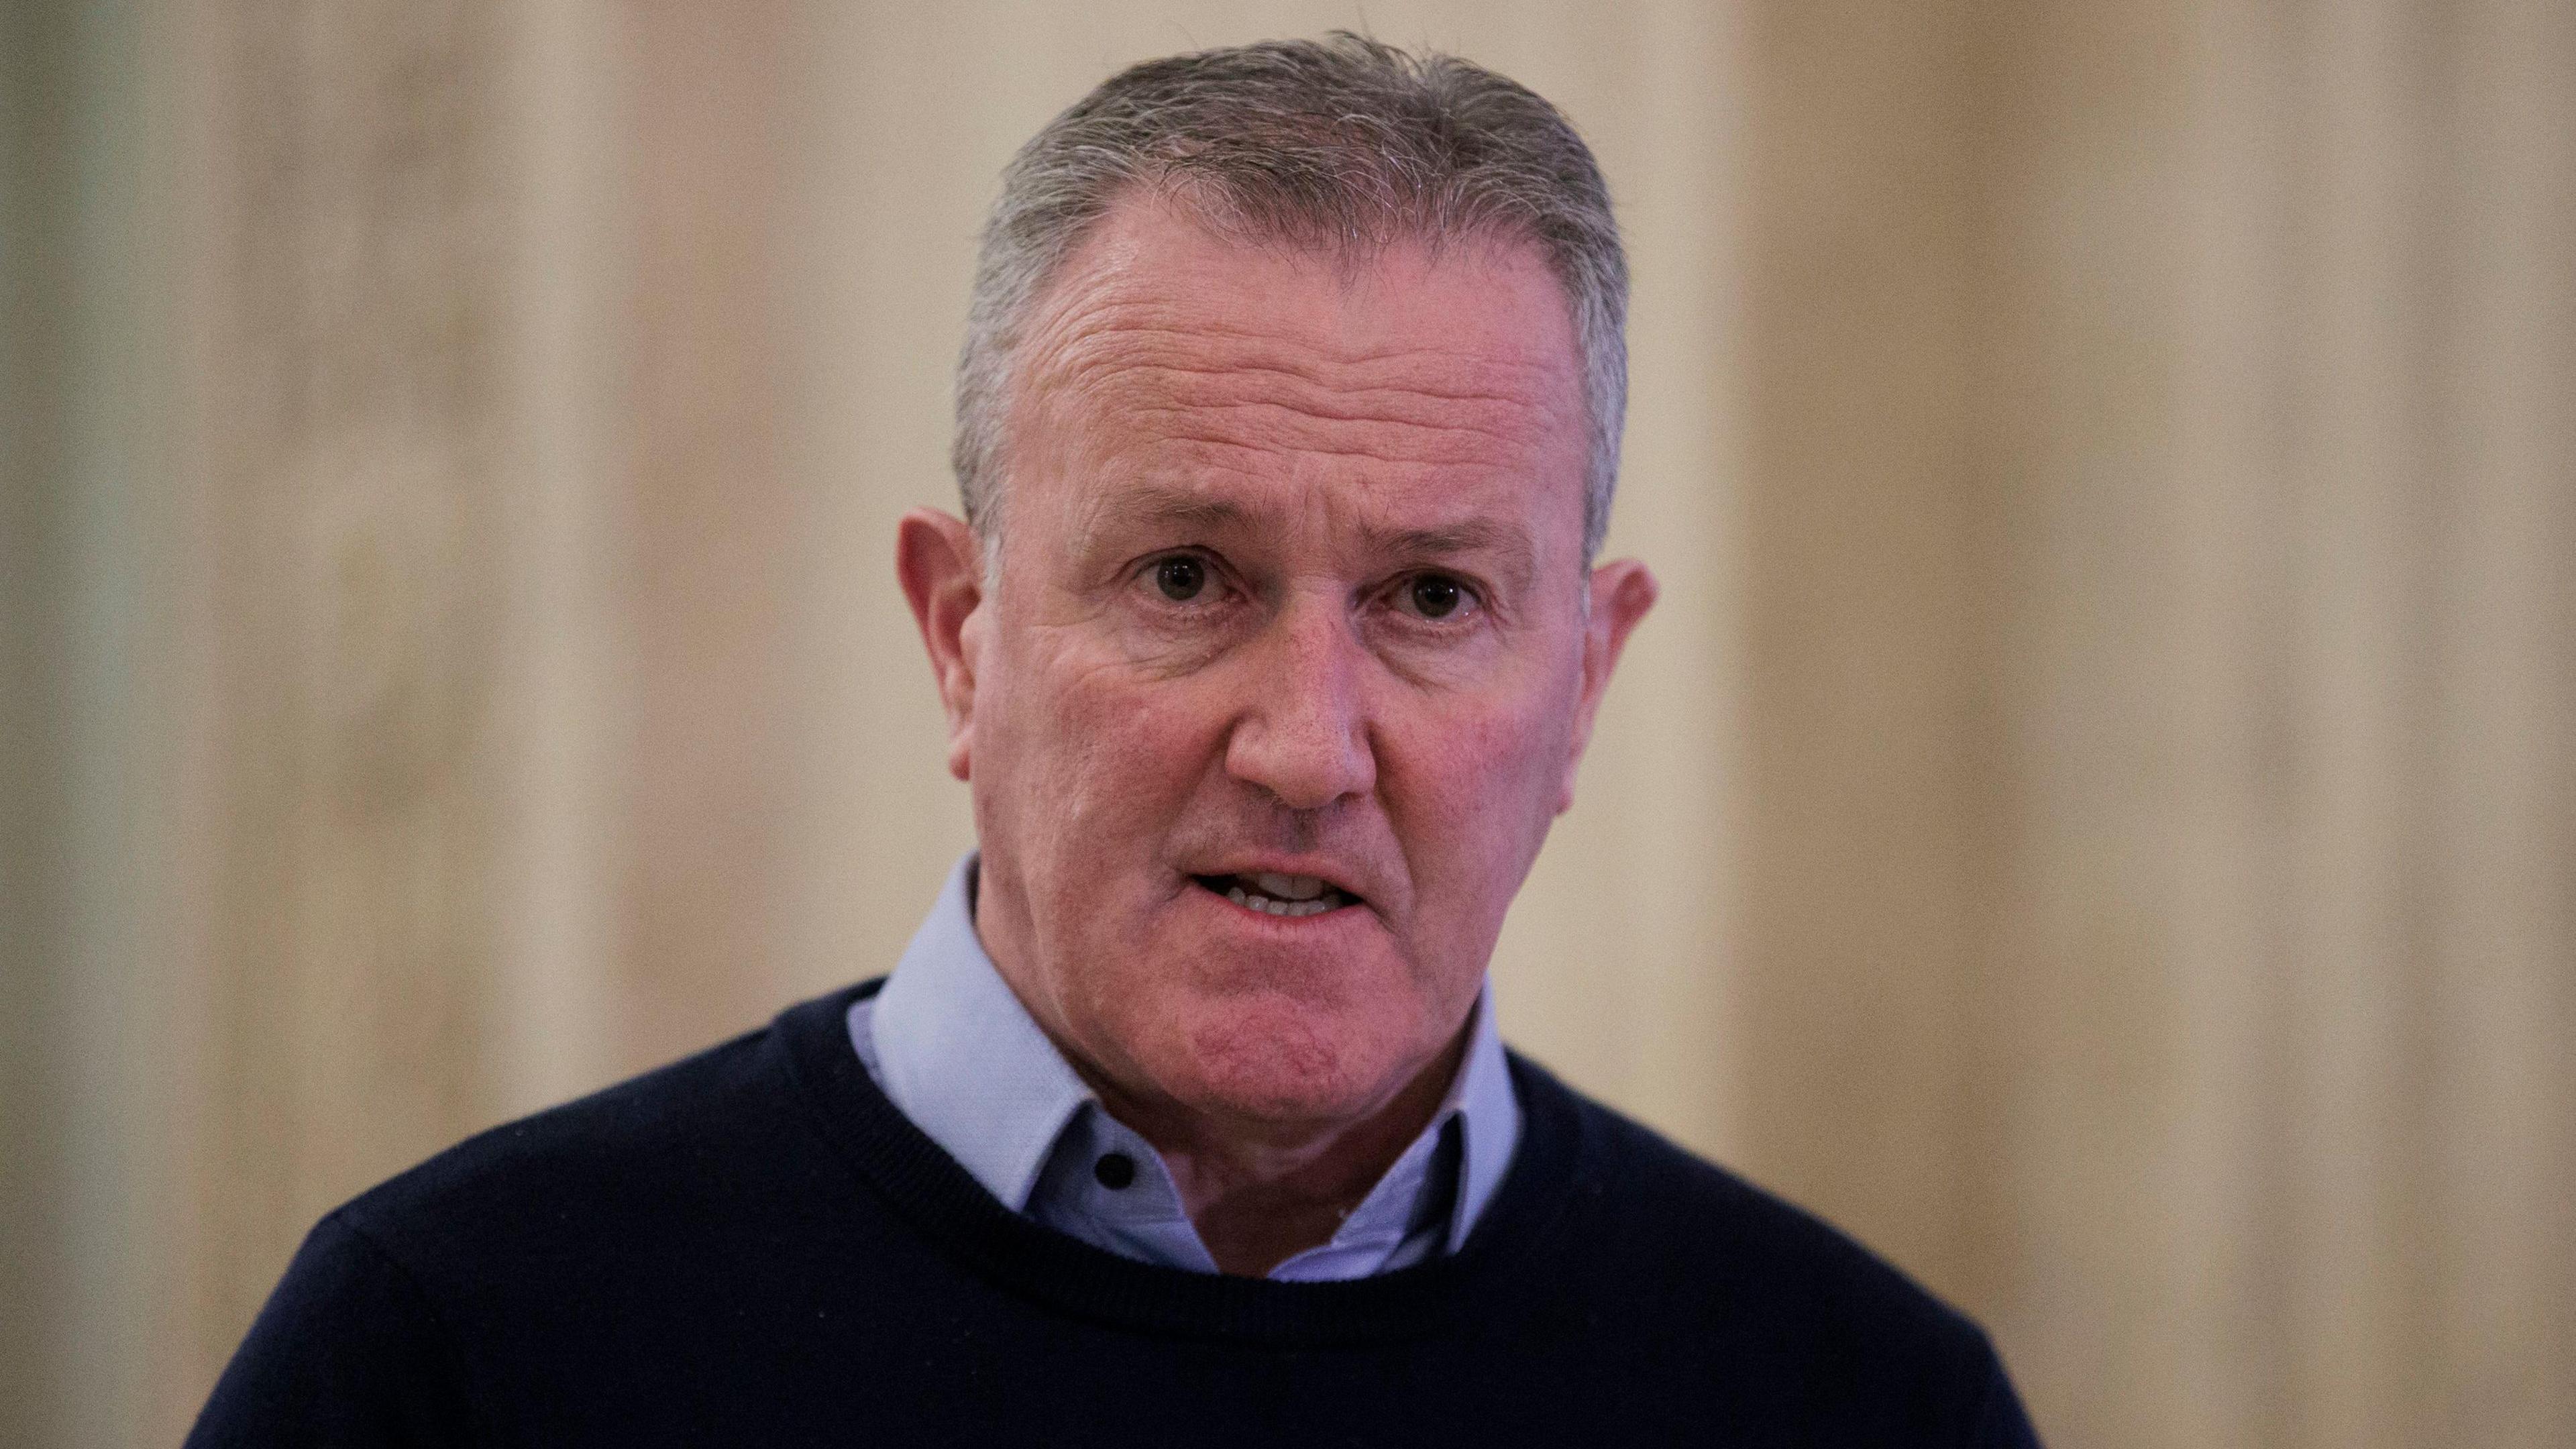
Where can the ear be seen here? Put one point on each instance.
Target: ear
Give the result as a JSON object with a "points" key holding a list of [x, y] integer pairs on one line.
{"points": [[941, 567], [1622, 592]]}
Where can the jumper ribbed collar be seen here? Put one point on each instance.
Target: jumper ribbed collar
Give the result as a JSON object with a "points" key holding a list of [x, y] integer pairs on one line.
{"points": [[1515, 1265], [955, 1049]]}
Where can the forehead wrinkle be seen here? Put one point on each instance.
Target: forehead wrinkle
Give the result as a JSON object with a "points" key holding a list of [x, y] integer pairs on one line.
{"points": [[1079, 353], [1108, 346], [1260, 434], [1426, 373], [1284, 410], [1162, 387], [1276, 428]]}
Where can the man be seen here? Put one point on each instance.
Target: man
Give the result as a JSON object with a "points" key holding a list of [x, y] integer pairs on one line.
{"points": [[1269, 643]]}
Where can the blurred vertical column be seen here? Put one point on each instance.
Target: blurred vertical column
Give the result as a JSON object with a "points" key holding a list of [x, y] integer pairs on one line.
{"points": [[488, 523], [2134, 779], [1868, 809], [88, 755], [33, 737], [400, 350], [566, 692], [349, 608], [2280, 342], [914, 110], [716, 522], [2500, 1123], [2498, 994]]}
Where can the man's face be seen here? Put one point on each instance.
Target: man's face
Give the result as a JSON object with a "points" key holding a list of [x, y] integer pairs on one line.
{"points": [[1289, 663]]}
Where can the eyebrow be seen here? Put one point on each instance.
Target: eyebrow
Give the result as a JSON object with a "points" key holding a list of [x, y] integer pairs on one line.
{"points": [[1154, 506], [1474, 535]]}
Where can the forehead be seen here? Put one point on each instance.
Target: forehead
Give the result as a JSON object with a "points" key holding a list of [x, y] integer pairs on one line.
{"points": [[1408, 382]]}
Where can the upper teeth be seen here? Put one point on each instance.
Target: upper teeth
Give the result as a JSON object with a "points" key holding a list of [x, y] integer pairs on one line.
{"points": [[1284, 895]]}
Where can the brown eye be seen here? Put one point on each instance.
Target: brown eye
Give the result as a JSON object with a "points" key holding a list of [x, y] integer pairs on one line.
{"points": [[1435, 597], [1180, 578]]}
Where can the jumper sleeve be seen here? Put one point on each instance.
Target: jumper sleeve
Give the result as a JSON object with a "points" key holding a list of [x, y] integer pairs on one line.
{"points": [[348, 1352]]}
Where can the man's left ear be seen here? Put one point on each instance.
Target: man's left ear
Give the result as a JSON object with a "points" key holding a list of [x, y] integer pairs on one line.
{"points": [[1622, 592]]}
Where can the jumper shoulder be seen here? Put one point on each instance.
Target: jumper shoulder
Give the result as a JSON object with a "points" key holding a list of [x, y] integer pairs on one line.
{"points": [[1780, 1293], [376, 1331], [347, 1352], [670, 1133]]}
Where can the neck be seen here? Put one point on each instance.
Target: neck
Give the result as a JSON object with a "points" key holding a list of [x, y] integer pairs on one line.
{"points": [[1260, 1193]]}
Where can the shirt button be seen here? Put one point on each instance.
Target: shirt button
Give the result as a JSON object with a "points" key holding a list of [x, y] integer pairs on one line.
{"points": [[1115, 1170]]}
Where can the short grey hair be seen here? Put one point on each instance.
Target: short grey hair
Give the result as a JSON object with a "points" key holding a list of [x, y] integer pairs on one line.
{"points": [[1342, 144]]}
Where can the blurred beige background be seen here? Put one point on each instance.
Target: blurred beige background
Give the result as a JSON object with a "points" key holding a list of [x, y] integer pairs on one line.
{"points": [[2095, 813]]}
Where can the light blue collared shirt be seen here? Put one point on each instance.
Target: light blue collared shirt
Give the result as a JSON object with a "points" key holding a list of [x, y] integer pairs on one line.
{"points": [[953, 1047]]}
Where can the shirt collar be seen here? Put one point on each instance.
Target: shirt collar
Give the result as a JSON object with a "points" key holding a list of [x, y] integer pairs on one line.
{"points": [[1489, 1117], [953, 1047], [963, 1058]]}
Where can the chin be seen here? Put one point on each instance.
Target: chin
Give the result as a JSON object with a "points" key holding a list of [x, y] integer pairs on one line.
{"points": [[1277, 1060]]}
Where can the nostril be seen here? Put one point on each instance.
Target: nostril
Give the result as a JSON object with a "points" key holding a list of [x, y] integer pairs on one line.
{"points": [[1302, 768]]}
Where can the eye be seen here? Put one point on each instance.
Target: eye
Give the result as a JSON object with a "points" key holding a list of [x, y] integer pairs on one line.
{"points": [[1181, 578], [1433, 596]]}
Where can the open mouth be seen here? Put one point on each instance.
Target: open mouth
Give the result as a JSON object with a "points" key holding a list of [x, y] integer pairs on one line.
{"points": [[1279, 895]]}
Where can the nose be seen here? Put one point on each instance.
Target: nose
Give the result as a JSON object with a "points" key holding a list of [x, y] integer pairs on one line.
{"points": [[1303, 733]]}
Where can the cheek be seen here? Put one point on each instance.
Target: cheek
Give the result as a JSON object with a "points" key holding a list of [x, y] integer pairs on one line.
{"points": [[1476, 791], [1110, 754]]}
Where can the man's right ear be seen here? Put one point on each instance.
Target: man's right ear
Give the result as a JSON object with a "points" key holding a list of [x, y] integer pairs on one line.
{"points": [[941, 567]]}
